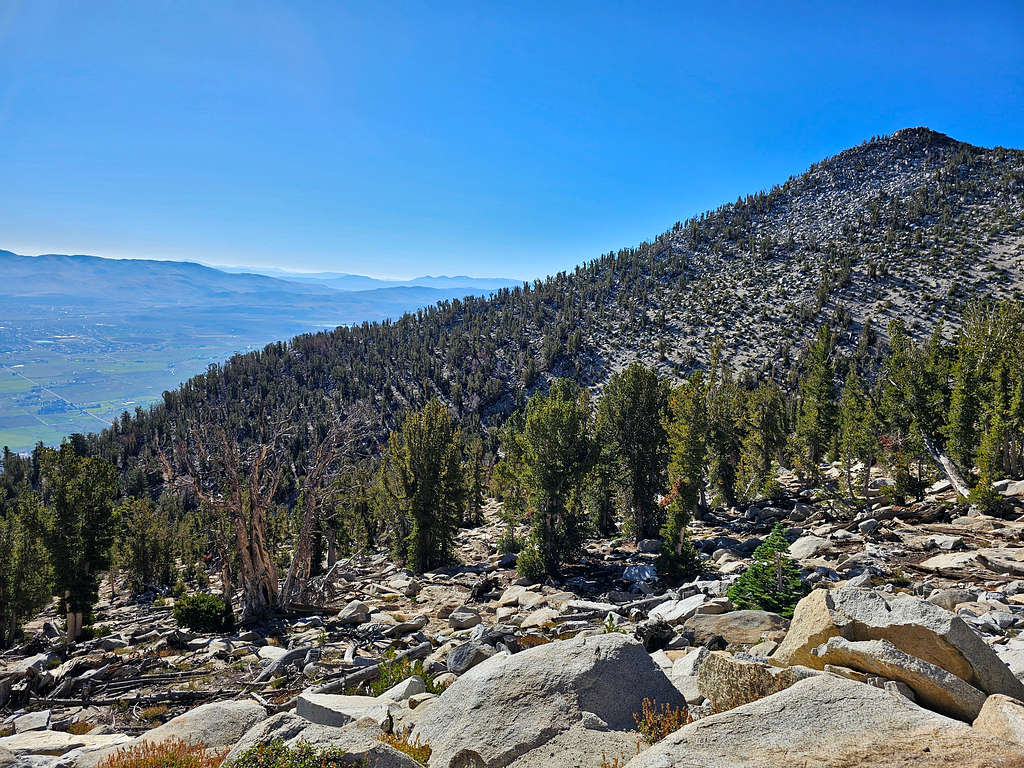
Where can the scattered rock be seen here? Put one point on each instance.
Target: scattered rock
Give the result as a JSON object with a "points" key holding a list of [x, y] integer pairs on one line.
{"points": [[508, 706], [58, 742], [219, 724], [735, 628], [1003, 718], [360, 740], [355, 612], [729, 681], [464, 618], [464, 657], [933, 686], [915, 626], [829, 721], [338, 710], [676, 611]]}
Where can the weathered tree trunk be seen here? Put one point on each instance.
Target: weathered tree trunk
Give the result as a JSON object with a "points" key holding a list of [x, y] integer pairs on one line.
{"points": [[73, 619], [298, 570], [332, 546], [947, 466], [258, 573]]}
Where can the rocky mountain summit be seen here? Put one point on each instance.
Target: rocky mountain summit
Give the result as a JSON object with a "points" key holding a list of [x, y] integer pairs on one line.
{"points": [[909, 226], [906, 652], [864, 612]]}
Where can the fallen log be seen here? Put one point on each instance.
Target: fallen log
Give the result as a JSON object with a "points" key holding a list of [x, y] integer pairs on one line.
{"points": [[165, 697], [289, 658], [339, 682]]}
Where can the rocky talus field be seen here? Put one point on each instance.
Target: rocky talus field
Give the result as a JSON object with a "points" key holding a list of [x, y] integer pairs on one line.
{"points": [[905, 653]]}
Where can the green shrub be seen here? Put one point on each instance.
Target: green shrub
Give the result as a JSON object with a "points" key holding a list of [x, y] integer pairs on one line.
{"points": [[302, 755], [682, 561], [530, 564], [93, 631], [508, 542], [392, 672], [204, 613], [772, 582]]}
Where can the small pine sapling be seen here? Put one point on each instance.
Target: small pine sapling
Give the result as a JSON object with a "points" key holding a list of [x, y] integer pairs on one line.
{"points": [[772, 582]]}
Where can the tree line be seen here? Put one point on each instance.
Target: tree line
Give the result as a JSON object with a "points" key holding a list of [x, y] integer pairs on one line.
{"points": [[639, 460]]}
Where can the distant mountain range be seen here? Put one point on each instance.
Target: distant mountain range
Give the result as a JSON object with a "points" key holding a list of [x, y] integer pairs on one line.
{"points": [[344, 281], [84, 338]]}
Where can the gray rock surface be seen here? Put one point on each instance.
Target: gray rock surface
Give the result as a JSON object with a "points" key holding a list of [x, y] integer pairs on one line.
{"points": [[933, 687], [1003, 718], [729, 681], [338, 710], [829, 721], [360, 740], [218, 724], [509, 706], [913, 625], [57, 742], [736, 628]]}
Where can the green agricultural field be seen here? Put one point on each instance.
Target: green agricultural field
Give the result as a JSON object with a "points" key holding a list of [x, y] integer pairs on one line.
{"points": [[54, 382]]}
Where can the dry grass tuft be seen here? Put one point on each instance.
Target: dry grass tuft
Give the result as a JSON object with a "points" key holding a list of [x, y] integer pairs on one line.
{"points": [[420, 752], [655, 723], [79, 727], [173, 753]]}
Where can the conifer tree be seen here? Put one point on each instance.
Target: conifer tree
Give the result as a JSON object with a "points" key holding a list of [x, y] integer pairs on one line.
{"points": [[422, 486], [558, 451], [630, 423], [915, 401], [772, 582], [815, 417], [26, 578], [763, 441], [145, 544], [687, 448], [601, 492], [474, 473], [78, 493], [858, 431], [723, 405]]}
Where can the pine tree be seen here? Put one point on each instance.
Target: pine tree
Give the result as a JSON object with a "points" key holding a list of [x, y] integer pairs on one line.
{"points": [[474, 473], [601, 492], [763, 441], [558, 451], [858, 430], [79, 494], [723, 406], [687, 434], [145, 545], [815, 418], [26, 578], [915, 401], [630, 423], [772, 582], [422, 487]]}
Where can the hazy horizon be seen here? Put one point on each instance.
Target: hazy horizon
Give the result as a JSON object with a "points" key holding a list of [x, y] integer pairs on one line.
{"points": [[461, 138]]}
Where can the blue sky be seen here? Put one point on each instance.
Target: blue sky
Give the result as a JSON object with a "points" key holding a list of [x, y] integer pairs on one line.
{"points": [[487, 138]]}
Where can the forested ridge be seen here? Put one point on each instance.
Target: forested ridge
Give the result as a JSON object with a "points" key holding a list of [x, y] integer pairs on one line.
{"points": [[910, 226], [866, 313]]}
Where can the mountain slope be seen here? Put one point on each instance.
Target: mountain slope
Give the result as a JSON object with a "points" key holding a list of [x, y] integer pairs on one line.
{"points": [[82, 338], [909, 225]]}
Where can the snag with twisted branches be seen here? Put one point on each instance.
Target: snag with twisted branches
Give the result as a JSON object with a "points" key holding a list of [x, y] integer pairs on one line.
{"points": [[239, 482], [338, 446]]}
